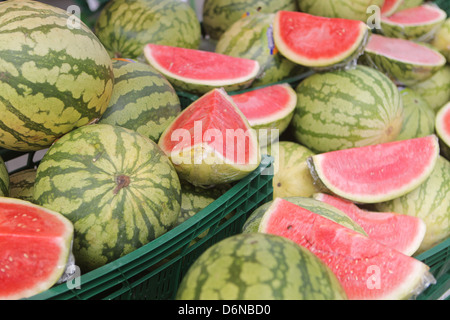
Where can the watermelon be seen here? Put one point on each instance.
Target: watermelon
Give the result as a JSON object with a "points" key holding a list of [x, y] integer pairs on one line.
{"points": [[269, 110], [417, 23], [35, 245], [259, 267], [320, 42], [435, 90], [211, 141], [4, 179], [346, 108], [142, 99], [404, 61], [252, 37], [442, 124], [378, 172], [253, 222], [430, 202], [390, 7], [346, 9], [410, 4], [21, 184], [199, 71], [441, 40], [115, 185], [360, 263], [398, 231], [53, 78], [125, 27], [219, 15], [418, 117], [291, 174]]}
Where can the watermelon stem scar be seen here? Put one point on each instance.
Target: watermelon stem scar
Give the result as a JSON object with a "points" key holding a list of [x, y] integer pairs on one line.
{"points": [[122, 181]]}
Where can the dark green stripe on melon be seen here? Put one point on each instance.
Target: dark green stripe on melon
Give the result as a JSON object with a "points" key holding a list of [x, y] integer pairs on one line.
{"points": [[4, 179]]}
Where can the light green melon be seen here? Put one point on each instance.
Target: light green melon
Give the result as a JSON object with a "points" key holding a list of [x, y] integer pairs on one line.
{"points": [[436, 89]]}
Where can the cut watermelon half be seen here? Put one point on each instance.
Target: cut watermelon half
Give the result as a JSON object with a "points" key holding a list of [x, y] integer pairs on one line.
{"points": [[366, 269], [211, 141], [442, 126], [401, 232], [406, 62], [35, 244], [390, 7], [200, 71], [315, 41], [376, 173], [269, 109], [417, 23]]}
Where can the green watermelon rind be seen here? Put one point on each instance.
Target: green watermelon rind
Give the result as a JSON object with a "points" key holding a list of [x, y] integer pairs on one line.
{"points": [[441, 40], [353, 9], [65, 242], [4, 179], [435, 90], [21, 184]]}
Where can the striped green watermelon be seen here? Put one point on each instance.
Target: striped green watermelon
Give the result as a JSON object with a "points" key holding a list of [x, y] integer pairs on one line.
{"points": [[291, 174], [418, 117], [430, 202], [259, 267], [116, 186], [406, 62], [346, 108], [442, 39], [410, 4], [252, 37], [124, 27], [21, 184], [366, 269], [347, 9], [436, 89], [253, 222], [142, 99], [219, 15], [4, 179], [417, 23], [53, 78], [442, 124]]}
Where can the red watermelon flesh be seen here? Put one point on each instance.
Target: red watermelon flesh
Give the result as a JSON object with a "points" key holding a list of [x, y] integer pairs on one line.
{"points": [[267, 104], [199, 66], [404, 50], [398, 231], [390, 6], [34, 248], [416, 16], [443, 123], [366, 269], [315, 41], [376, 173]]}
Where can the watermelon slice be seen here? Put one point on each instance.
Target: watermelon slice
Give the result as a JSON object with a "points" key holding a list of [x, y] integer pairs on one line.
{"points": [[269, 110], [390, 7], [35, 244], [211, 141], [442, 126], [417, 23], [401, 232], [376, 173], [404, 61], [199, 71], [366, 269], [314, 41]]}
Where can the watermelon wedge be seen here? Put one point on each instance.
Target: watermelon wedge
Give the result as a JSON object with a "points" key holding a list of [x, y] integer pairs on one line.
{"points": [[366, 269], [211, 141], [417, 23], [199, 71], [401, 232], [314, 41], [442, 126], [374, 173], [406, 62], [390, 7], [269, 110], [35, 244]]}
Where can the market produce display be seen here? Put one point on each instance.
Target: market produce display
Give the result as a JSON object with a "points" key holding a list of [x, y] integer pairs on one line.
{"points": [[353, 117]]}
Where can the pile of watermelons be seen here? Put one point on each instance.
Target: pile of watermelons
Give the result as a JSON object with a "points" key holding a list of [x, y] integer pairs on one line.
{"points": [[351, 98]]}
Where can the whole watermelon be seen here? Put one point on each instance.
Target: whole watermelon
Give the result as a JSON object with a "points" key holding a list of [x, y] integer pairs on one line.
{"points": [[219, 15], [4, 179], [116, 186], [259, 267], [346, 9], [125, 26], [54, 76], [21, 184], [348, 108], [142, 99]]}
